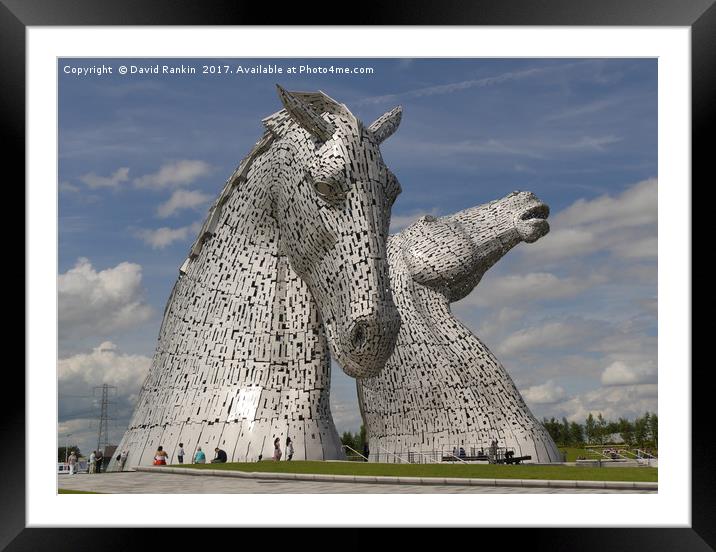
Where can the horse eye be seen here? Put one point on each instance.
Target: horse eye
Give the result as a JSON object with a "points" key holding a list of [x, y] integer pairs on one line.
{"points": [[329, 191], [323, 188]]}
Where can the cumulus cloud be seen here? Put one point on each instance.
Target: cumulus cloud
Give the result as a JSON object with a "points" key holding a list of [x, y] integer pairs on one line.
{"points": [[92, 302], [79, 407], [627, 401], [105, 364], [176, 173], [165, 236], [624, 225], [554, 334], [180, 200], [623, 373], [547, 393], [95, 181], [346, 415], [534, 286], [645, 248]]}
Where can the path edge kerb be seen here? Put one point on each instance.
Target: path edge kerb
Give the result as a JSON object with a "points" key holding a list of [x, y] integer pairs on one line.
{"points": [[394, 480]]}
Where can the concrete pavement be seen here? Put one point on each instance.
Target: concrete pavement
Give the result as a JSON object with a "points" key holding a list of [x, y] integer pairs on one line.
{"points": [[167, 483]]}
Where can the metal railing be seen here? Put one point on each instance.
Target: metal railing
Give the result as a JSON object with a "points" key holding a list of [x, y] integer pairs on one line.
{"points": [[451, 454], [644, 454], [355, 452], [394, 455], [617, 454]]}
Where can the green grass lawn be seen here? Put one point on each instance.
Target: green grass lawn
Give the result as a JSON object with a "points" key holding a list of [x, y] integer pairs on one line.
{"points": [[575, 452], [70, 491], [480, 471]]}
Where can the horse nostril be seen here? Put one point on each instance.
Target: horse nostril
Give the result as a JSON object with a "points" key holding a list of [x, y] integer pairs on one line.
{"points": [[358, 335]]}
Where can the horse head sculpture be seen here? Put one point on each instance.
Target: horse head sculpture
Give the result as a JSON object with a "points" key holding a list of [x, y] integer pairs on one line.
{"points": [[443, 388], [332, 195], [291, 262]]}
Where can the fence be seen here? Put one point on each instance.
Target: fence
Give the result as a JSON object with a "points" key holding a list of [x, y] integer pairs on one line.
{"points": [[478, 454]]}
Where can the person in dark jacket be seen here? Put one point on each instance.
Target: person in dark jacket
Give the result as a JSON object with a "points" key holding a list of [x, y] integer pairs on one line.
{"points": [[99, 460], [220, 456]]}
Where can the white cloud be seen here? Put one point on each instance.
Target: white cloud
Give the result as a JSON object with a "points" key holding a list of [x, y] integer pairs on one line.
{"points": [[637, 249], [627, 401], [579, 111], [165, 236], [593, 143], [551, 335], [95, 181], [622, 373], [92, 302], [635, 206], [624, 225], [176, 173], [105, 364], [79, 405], [499, 322], [534, 286], [68, 187], [346, 415], [464, 85], [547, 393], [182, 199], [399, 222]]}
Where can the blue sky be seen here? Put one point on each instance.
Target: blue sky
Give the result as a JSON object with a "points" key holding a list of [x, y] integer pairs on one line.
{"points": [[572, 317]]}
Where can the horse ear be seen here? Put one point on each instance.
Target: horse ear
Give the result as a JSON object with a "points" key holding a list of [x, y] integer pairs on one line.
{"points": [[385, 125], [305, 115]]}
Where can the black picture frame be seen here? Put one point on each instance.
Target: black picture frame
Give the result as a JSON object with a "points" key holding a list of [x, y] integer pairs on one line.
{"points": [[699, 15]]}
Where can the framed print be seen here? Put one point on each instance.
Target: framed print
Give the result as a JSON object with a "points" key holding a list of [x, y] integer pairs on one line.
{"points": [[130, 124]]}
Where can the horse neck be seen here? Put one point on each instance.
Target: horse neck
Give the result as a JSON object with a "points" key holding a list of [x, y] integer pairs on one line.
{"points": [[494, 235], [424, 311], [263, 309]]}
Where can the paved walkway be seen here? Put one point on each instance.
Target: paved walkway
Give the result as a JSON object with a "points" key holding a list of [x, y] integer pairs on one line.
{"points": [[161, 483]]}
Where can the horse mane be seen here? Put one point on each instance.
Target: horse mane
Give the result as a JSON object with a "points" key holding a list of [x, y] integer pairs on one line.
{"points": [[277, 125]]}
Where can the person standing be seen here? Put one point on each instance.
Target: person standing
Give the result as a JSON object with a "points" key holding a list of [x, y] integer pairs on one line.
{"points": [[277, 449], [180, 455], [199, 457], [93, 462], [289, 449], [122, 460], [72, 461], [99, 459], [493, 451]]}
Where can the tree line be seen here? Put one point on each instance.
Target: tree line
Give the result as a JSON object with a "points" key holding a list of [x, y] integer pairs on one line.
{"points": [[61, 451], [356, 441], [642, 432]]}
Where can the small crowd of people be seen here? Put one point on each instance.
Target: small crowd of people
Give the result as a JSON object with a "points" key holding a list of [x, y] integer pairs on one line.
{"points": [[277, 449], [459, 452], [96, 462], [611, 453], [161, 457]]}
